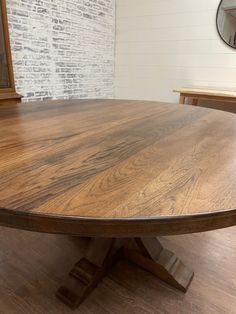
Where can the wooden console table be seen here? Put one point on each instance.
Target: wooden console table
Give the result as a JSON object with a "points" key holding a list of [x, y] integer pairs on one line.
{"points": [[122, 173], [196, 94]]}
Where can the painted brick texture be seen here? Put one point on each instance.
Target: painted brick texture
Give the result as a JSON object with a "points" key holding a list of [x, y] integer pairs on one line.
{"points": [[62, 49]]}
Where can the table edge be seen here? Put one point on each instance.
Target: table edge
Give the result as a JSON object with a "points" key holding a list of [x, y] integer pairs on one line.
{"points": [[119, 227]]}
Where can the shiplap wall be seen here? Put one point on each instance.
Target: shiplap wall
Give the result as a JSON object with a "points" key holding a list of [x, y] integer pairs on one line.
{"points": [[163, 44]]}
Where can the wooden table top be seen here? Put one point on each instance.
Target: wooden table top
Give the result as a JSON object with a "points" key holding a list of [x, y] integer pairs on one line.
{"points": [[207, 92], [116, 168]]}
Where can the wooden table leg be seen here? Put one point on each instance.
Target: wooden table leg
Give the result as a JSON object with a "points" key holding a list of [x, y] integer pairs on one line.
{"points": [[182, 99], [148, 253], [194, 101], [164, 264], [89, 271]]}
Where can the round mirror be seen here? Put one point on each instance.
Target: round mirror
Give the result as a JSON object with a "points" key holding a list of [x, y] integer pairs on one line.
{"points": [[226, 21]]}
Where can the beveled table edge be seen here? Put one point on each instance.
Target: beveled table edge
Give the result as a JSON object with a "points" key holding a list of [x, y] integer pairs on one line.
{"points": [[117, 227]]}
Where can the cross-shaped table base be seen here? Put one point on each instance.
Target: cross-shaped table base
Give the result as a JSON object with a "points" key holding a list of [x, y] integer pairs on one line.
{"points": [[102, 253]]}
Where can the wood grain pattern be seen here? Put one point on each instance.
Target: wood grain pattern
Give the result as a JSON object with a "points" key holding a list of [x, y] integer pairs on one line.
{"points": [[116, 168]]}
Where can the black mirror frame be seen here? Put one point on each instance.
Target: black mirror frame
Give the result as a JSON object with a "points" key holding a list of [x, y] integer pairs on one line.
{"points": [[218, 30]]}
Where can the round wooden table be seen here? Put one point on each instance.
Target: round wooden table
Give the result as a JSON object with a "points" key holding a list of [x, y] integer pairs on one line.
{"points": [[120, 172]]}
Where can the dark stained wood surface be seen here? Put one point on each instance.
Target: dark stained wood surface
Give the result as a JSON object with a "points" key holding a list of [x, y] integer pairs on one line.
{"points": [[117, 168], [103, 253]]}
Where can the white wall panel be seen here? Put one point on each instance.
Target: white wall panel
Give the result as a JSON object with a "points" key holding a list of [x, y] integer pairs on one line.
{"points": [[163, 44]]}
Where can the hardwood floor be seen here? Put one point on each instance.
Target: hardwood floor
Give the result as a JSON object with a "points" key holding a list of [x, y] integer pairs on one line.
{"points": [[29, 277]]}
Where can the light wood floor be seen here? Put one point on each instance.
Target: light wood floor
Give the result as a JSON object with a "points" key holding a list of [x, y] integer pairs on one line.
{"points": [[33, 265]]}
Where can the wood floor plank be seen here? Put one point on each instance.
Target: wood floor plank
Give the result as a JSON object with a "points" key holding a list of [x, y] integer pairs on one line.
{"points": [[32, 266]]}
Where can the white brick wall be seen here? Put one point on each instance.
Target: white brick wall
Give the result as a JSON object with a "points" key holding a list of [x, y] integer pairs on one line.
{"points": [[62, 48]]}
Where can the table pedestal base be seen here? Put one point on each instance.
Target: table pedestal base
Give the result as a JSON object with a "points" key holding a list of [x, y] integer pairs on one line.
{"points": [[147, 253]]}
